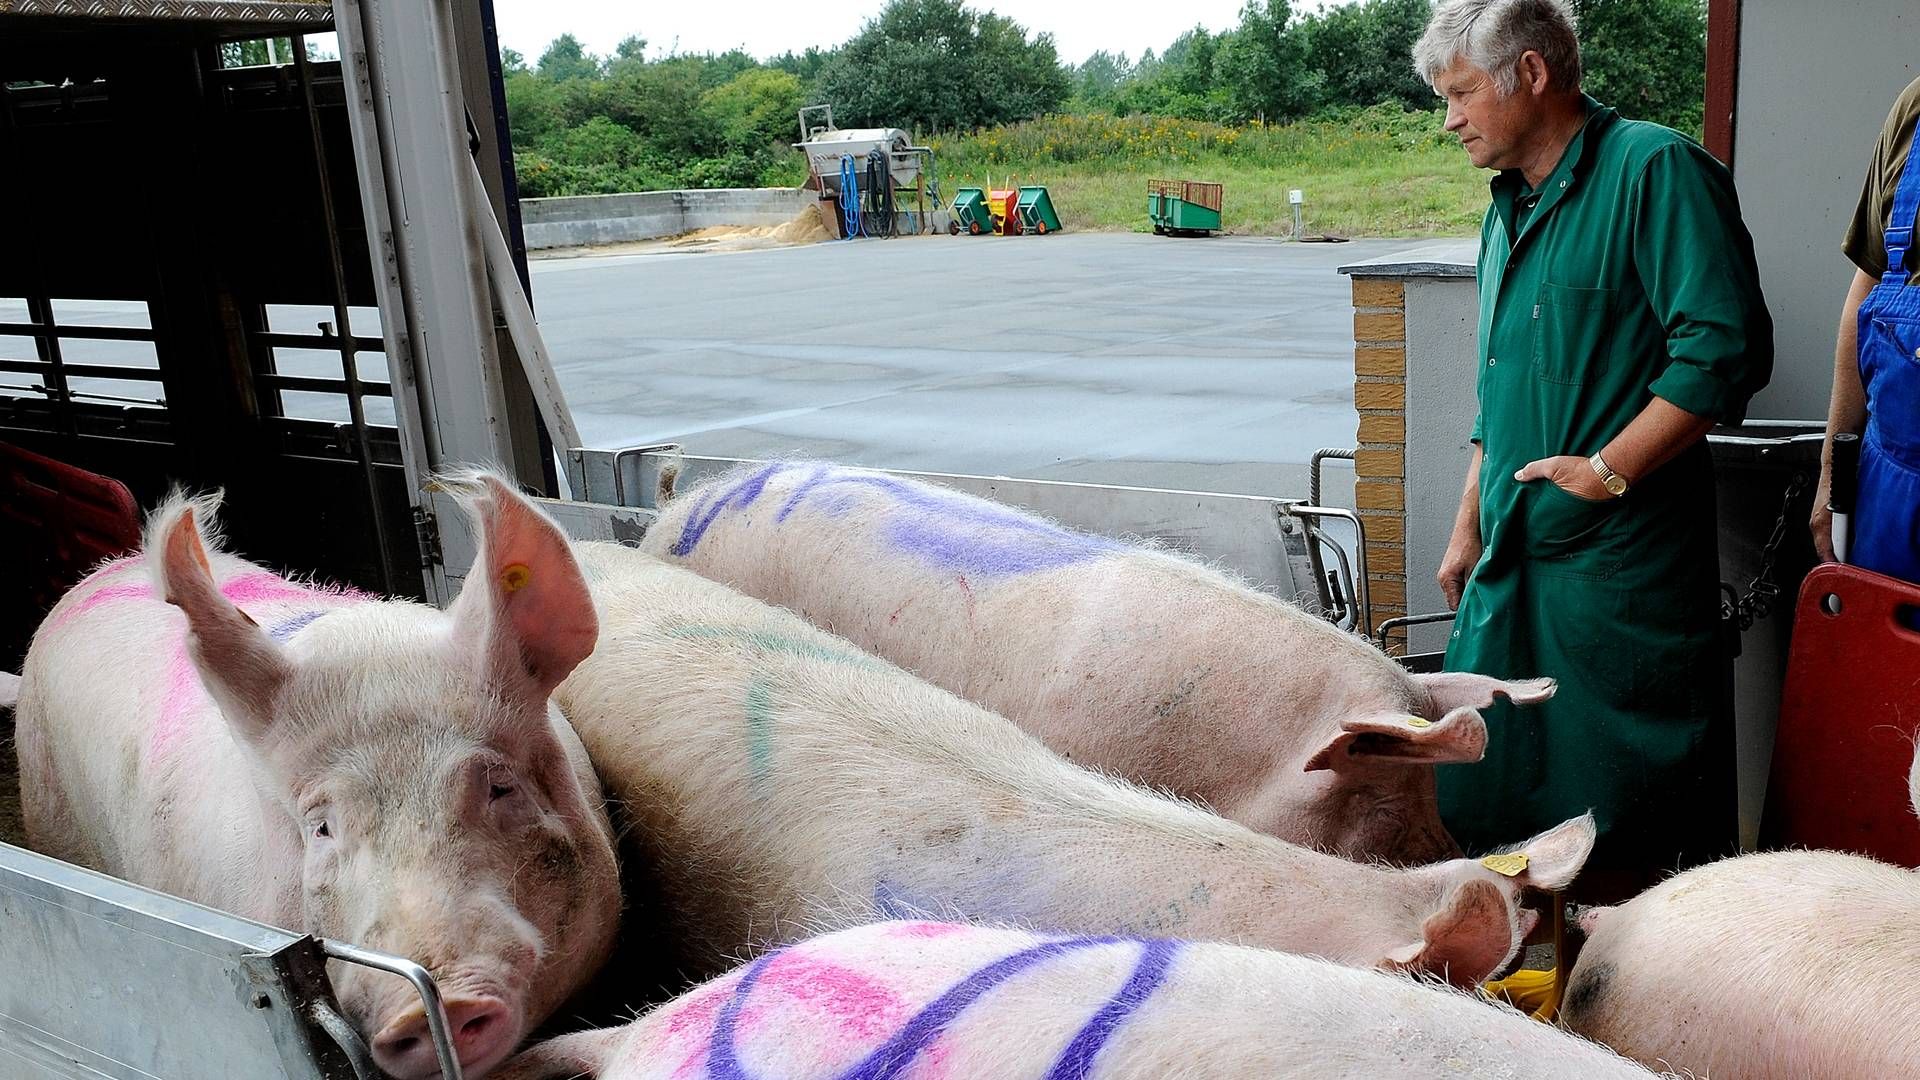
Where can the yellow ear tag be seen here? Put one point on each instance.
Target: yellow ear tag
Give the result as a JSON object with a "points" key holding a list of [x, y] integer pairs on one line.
{"points": [[1511, 864], [1419, 722], [515, 577]]}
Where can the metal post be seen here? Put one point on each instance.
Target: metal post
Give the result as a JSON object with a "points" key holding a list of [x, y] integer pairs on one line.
{"points": [[349, 362], [410, 149], [517, 310]]}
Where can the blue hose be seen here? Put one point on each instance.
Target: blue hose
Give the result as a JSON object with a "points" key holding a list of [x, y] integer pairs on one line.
{"points": [[849, 197]]}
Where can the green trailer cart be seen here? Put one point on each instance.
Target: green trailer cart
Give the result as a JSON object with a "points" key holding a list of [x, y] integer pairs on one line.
{"points": [[1183, 207]]}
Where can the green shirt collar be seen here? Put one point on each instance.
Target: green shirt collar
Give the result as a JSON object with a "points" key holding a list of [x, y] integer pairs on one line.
{"points": [[1509, 186]]}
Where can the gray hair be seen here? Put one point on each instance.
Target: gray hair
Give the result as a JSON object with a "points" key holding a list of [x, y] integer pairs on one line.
{"points": [[1494, 34]]}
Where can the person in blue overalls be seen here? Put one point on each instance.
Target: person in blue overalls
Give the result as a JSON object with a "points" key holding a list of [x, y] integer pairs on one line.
{"points": [[1876, 364]]}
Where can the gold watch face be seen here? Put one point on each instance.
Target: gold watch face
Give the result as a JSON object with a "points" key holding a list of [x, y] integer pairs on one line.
{"points": [[1616, 485]]}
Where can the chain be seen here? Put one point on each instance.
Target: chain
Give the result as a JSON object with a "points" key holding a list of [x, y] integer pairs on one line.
{"points": [[1757, 604]]}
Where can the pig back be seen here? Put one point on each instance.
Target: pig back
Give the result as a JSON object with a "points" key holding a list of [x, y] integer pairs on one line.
{"points": [[1775, 965], [777, 778], [124, 757], [775, 775], [917, 998], [1122, 657]]}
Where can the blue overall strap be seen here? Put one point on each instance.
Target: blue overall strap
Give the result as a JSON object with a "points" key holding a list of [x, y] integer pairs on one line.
{"points": [[1900, 224]]}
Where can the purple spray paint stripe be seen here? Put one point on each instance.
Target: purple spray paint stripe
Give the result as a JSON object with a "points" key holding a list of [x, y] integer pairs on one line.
{"points": [[953, 532], [710, 505], [1076, 1062], [723, 1060], [292, 625], [897, 1054]]}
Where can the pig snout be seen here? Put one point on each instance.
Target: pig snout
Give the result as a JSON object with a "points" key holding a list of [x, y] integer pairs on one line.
{"points": [[481, 954], [483, 1030]]}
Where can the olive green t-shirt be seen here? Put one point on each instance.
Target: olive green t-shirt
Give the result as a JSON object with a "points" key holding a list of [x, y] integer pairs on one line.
{"points": [[1866, 242]]}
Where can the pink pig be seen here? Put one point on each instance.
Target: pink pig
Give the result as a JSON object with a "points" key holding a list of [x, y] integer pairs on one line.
{"points": [[933, 1001], [1772, 966], [373, 771], [776, 776], [1119, 656]]}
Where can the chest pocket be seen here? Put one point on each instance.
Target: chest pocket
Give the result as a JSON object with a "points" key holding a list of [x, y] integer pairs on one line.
{"points": [[1571, 330]]}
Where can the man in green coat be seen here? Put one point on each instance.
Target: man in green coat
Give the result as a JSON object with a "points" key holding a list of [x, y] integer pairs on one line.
{"points": [[1620, 319]]}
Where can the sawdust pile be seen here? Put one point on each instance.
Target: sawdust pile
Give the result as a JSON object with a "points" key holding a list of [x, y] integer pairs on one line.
{"points": [[807, 227]]}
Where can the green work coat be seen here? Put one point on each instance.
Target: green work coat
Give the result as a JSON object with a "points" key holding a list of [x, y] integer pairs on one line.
{"points": [[1626, 274]]}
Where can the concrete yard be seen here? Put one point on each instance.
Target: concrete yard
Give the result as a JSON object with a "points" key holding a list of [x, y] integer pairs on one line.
{"points": [[1215, 364]]}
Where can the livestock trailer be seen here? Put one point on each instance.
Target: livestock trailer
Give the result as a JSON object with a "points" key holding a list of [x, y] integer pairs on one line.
{"points": [[300, 279]]}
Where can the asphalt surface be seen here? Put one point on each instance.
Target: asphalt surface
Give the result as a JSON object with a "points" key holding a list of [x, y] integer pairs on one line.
{"points": [[1214, 364]]}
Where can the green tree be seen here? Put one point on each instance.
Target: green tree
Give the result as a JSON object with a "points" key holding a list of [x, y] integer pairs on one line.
{"points": [[1187, 65], [718, 69], [757, 109], [512, 62], [535, 110], [1097, 80], [1647, 58], [1183, 81], [938, 65], [1361, 52], [660, 101], [807, 65], [630, 53], [1264, 66], [567, 59]]}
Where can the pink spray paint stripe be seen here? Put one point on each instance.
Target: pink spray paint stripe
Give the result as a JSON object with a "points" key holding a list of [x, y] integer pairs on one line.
{"points": [[185, 693], [102, 593]]}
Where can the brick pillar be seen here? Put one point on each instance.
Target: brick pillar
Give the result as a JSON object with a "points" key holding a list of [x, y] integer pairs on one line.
{"points": [[1380, 465]]}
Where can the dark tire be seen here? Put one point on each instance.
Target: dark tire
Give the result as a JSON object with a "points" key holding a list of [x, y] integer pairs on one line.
{"points": [[953, 228], [1159, 230]]}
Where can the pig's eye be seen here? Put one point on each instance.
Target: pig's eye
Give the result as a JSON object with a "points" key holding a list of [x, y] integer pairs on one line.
{"points": [[497, 790], [321, 831]]}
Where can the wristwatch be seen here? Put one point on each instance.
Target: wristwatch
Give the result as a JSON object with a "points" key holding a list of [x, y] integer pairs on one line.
{"points": [[1615, 484]]}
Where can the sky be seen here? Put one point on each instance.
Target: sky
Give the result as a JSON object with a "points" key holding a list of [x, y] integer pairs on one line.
{"points": [[764, 29]]}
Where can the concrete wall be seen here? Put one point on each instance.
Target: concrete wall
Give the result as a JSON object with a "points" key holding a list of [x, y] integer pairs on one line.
{"points": [[581, 220], [1414, 366], [1816, 81], [1442, 359]]}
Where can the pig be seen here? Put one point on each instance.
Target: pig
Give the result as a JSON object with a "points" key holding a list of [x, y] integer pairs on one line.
{"points": [[1118, 655], [775, 775], [374, 771], [932, 1000], [1786, 964]]}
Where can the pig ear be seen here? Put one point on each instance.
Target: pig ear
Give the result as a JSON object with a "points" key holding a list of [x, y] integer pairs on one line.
{"points": [[1466, 940], [242, 668], [1555, 857], [1589, 919], [1450, 690], [525, 594], [1403, 739], [580, 1055]]}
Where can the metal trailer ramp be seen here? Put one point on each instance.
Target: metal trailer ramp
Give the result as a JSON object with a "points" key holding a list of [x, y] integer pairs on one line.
{"points": [[110, 980]]}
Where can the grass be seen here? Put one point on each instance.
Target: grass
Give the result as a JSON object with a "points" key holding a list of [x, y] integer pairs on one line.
{"points": [[1371, 172]]}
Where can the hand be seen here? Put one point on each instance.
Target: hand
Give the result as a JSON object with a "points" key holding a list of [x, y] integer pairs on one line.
{"points": [[1463, 552], [1821, 523], [1573, 475]]}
